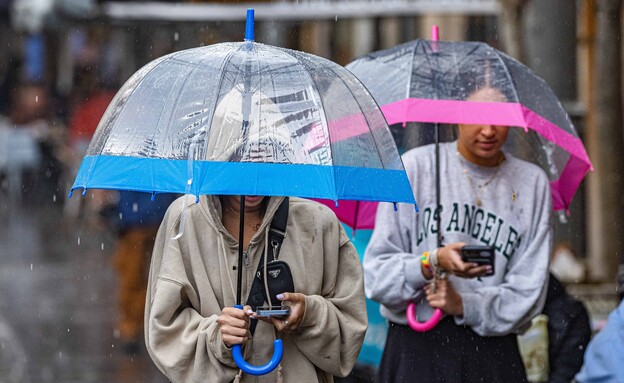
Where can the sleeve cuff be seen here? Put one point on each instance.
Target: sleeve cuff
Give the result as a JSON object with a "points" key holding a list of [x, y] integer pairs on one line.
{"points": [[469, 303], [312, 308], [414, 276], [220, 350]]}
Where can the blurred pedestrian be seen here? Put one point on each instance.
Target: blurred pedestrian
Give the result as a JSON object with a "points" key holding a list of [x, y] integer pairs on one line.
{"points": [[488, 197], [137, 218], [29, 144], [564, 337], [90, 102], [604, 358], [566, 266]]}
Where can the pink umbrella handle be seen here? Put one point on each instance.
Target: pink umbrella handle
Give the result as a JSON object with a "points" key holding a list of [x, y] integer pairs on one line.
{"points": [[413, 322]]}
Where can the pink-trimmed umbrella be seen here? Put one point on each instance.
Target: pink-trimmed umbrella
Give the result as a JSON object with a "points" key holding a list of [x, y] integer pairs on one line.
{"points": [[426, 82]]}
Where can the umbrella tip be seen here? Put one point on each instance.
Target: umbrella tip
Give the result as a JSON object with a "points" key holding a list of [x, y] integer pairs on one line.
{"points": [[249, 25], [435, 33], [396, 208], [71, 193]]}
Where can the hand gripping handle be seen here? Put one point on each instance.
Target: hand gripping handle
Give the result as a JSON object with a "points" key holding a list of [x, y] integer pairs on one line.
{"points": [[413, 322], [237, 353]]}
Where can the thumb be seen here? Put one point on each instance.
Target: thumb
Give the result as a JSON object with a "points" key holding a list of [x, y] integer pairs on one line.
{"points": [[289, 297]]}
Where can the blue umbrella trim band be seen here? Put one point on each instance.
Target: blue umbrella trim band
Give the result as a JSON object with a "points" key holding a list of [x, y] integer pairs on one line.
{"points": [[162, 175]]}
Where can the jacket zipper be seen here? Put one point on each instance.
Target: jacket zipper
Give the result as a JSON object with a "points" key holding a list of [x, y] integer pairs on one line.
{"points": [[246, 258]]}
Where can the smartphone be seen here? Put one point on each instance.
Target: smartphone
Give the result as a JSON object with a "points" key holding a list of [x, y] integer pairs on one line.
{"points": [[481, 255], [273, 312]]}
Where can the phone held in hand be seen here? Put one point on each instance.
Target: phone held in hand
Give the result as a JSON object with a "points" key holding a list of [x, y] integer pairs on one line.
{"points": [[481, 255], [273, 311]]}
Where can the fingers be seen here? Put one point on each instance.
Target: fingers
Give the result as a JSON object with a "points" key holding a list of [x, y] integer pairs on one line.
{"points": [[282, 324], [477, 271], [450, 260], [297, 310], [234, 324], [289, 297], [445, 298]]}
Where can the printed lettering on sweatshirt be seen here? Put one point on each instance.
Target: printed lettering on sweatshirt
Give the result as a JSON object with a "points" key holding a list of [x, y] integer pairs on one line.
{"points": [[484, 226]]}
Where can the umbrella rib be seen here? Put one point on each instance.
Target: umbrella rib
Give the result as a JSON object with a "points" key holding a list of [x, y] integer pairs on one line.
{"points": [[220, 82], [377, 146], [513, 88], [155, 65], [321, 109]]}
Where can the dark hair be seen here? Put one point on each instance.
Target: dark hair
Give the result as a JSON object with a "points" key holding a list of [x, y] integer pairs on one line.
{"points": [[492, 74]]}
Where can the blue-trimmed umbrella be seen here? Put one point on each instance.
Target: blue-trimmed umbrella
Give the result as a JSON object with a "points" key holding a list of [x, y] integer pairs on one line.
{"points": [[246, 119]]}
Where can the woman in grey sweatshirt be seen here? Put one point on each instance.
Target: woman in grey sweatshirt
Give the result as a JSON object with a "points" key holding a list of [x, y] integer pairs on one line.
{"points": [[488, 197]]}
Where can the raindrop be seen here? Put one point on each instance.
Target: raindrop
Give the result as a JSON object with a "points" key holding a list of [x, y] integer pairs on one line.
{"points": [[78, 240], [31, 267], [135, 207], [336, 18], [36, 98], [102, 246], [54, 198], [176, 36], [67, 330]]}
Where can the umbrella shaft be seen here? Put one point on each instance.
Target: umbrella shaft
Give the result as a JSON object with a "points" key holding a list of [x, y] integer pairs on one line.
{"points": [[241, 243], [437, 186]]}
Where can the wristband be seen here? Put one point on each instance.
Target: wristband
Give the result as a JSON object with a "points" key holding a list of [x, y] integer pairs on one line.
{"points": [[433, 259]]}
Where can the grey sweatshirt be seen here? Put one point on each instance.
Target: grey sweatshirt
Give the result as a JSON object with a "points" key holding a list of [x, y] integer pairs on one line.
{"points": [[514, 217]]}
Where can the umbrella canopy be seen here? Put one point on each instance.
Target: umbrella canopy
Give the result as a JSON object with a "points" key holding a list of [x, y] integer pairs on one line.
{"points": [[245, 119], [428, 82]]}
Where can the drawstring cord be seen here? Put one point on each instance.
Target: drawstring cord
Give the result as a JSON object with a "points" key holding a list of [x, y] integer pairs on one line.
{"points": [[238, 376], [265, 278], [280, 378], [227, 265]]}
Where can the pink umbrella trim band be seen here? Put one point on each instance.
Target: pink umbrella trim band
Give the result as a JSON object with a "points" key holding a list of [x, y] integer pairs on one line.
{"points": [[497, 113], [500, 113]]}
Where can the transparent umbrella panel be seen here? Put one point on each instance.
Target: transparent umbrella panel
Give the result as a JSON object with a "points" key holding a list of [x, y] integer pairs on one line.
{"points": [[245, 103], [193, 93], [428, 82]]}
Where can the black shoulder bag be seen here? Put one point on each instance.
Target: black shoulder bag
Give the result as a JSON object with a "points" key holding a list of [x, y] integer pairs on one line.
{"points": [[277, 273]]}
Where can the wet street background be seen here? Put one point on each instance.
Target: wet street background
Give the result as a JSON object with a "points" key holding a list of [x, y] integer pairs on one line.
{"points": [[58, 295]]}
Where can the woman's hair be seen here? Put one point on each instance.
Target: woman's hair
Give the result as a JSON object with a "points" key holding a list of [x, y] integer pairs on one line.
{"points": [[491, 74]]}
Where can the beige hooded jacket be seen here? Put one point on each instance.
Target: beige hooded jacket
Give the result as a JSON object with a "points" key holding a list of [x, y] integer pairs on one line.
{"points": [[193, 278]]}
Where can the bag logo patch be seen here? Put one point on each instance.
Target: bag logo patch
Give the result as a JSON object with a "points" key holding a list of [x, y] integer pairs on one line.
{"points": [[274, 273]]}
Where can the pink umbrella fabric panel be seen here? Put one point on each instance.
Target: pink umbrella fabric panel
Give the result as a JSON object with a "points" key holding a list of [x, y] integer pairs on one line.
{"points": [[506, 114]]}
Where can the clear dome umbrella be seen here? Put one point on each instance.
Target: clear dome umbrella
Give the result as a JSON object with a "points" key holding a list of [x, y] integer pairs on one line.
{"points": [[246, 119], [428, 83]]}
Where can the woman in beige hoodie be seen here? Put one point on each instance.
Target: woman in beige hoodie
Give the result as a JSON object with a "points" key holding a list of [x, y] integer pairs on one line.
{"points": [[189, 320]]}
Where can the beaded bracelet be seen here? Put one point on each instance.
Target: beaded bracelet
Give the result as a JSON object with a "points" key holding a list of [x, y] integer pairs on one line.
{"points": [[425, 261]]}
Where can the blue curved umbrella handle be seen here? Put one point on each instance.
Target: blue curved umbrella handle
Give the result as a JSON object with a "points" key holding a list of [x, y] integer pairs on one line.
{"points": [[237, 353]]}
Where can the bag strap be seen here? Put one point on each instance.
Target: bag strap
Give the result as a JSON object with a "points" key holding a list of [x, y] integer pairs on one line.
{"points": [[277, 230], [277, 233]]}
